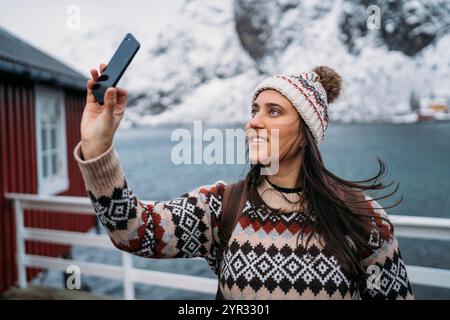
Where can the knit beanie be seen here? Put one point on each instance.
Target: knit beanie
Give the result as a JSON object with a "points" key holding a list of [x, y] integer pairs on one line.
{"points": [[309, 92]]}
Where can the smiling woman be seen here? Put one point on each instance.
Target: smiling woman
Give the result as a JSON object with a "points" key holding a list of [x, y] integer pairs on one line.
{"points": [[301, 233], [344, 218]]}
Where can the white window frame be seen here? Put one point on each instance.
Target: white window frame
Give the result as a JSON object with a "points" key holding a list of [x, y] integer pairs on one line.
{"points": [[58, 183]]}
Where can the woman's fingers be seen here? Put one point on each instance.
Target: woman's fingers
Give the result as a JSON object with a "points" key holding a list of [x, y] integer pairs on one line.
{"points": [[94, 74], [110, 98], [112, 95], [90, 84], [90, 96], [121, 92], [122, 95]]}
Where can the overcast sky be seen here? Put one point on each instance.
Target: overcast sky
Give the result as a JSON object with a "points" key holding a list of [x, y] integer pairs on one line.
{"points": [[43, 23]]}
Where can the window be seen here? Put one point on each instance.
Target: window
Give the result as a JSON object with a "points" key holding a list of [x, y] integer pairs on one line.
{"points": [[51, 141]]}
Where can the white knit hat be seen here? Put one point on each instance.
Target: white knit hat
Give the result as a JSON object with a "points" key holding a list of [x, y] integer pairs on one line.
{"points": [[306, 94]]}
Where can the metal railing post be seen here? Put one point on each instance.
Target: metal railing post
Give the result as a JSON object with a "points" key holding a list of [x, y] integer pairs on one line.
{"points": [[128, 284], [20, 245]]}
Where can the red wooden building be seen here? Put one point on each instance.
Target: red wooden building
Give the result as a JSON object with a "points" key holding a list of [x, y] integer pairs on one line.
{"points": [[41, 103]]}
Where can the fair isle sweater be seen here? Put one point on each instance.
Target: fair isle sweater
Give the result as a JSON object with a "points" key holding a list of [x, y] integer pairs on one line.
{"points": [[262, 260]]}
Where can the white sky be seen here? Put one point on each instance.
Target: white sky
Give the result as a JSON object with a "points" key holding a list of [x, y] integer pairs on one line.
{"points": [[43, 23]]}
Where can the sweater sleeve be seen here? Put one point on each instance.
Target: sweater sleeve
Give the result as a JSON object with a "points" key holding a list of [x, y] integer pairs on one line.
{"points": [[387, 277], [184, 227]]}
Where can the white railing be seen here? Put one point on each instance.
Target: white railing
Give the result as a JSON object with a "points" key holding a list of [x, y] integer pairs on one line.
{"points": [[406, 226]]}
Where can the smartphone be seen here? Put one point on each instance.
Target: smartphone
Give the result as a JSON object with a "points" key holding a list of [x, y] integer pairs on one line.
{"points": [[116, 67]]}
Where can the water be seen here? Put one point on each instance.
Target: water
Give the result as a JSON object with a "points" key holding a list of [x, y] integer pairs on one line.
{"points": [[417, 156]]}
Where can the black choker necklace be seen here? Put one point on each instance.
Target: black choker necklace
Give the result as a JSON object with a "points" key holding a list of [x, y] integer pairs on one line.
{"points": [[285, 190]]}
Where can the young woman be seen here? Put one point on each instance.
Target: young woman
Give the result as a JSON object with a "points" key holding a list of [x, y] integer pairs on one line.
{"points": [[303, 233]]}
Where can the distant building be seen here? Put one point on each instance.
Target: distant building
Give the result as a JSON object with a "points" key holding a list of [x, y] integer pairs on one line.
{"points": [[434, 110]]}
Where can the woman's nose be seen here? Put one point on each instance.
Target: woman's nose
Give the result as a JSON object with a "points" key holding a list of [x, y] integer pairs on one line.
{"points": [[255, 122]]}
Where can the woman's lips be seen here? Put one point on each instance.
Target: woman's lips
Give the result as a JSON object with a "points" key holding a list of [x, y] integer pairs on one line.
{"points": [[257, 140]]}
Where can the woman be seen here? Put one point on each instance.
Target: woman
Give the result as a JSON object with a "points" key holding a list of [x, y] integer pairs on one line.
{"points": [[303, 233]]}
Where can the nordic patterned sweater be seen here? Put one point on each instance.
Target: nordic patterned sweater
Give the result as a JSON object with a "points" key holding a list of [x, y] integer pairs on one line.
{"points": [[262, 260]]}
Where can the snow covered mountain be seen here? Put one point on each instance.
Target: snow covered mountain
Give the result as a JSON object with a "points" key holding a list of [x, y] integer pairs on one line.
{"points": [[205, 64]]}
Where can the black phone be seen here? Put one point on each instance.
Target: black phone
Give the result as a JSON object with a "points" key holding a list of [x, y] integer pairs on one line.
{"points": [[116, 67]]}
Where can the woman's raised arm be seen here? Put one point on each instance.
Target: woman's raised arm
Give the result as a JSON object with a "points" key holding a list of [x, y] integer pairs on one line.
{"points": [[183, 227]]}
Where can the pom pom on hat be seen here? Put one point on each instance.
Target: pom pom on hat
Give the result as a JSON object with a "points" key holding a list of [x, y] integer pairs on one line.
{"points": [[330, 80]]}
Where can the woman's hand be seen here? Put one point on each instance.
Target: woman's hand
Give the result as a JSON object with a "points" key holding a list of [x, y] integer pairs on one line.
{"points": [[99, 123]]}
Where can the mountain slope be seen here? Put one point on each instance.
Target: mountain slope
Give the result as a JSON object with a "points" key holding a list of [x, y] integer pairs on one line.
{"points": [[204, 65]]}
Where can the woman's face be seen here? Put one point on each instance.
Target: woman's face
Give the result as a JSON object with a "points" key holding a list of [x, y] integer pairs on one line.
{"points": [[272, 112]]}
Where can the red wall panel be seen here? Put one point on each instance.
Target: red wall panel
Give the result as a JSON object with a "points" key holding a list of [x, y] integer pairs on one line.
{"points": [[18, 172]]}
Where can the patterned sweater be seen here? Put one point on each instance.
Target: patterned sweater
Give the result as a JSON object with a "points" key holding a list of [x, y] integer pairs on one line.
{"points": [[262, 260]]}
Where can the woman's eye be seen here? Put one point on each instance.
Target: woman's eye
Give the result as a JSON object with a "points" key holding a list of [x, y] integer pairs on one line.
{"points": [[274, 112]]}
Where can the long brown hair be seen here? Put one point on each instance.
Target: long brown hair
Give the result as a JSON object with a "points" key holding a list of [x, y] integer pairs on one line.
{"points": [[332, 205]]}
